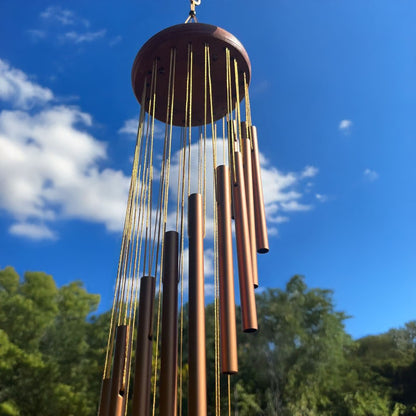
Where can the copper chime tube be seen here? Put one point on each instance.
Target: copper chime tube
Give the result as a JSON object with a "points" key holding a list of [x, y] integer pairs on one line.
{"points": [[143, 364], [229, 361], [260, 215], [247, 298], [105, 397], [197, 389], [169, 348], [120, 371], [248, 181]]}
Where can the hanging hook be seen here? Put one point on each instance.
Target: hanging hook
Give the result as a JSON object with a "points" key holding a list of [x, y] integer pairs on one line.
{"points": [[192, 13]]}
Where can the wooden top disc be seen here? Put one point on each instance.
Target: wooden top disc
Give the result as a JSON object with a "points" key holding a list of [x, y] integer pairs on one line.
{"points": [[179, 37]]}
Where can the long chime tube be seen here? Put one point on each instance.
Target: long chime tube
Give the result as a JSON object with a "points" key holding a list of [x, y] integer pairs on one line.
{"points": [[228, 335], [105, 397], [247, 298], [248, 181], [197, 389], [169, 348], [143, 364], [260, 215], [120, 372]]}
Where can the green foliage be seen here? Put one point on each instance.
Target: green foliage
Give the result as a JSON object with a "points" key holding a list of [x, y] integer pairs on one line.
{"points": [[301, 362], [51, 350]]}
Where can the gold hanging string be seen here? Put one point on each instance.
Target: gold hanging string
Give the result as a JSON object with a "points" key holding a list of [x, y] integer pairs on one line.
{"points": [[216, 275], [190, 118], [135, 275], [125, 281], [248, 111], [205, 129], [187, 129], [110, 340], [231, 133], [150, 211], [181, 156], [164, 194], [237, 107], [147, 164]]}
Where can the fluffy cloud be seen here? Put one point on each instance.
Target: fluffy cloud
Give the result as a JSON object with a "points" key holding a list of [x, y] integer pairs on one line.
{"points": [[130, 127], [65, 17], [17, 89], [33, 231], [283, 192], [309, 172], [58, 14], [56, 21], [78, 37], [51, 168], [50, 164]]}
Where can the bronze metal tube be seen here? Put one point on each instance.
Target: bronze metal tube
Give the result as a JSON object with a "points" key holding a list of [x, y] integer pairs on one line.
{"points": [[169, 348], [105, 397], [143, 364], [247, 298], [120, 371], [248, 181], [197, 387], [228, 334], [260, 214]]}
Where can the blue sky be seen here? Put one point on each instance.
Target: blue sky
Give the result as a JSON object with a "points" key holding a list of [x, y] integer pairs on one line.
{"points": [[333, 95]]}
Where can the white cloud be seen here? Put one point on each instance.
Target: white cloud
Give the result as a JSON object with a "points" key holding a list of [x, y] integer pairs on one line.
{"points": [[295, 206], [50, 168], [309, 172], [58, 14], [77, 37], [32, 231], [282, 191], [49, 165], [370, 175], [129, 127], [63, 16], [345, 126], [17, 89]]}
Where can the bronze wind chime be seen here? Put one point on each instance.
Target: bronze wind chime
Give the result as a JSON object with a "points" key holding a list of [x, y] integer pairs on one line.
{"points": [[191, 79]]}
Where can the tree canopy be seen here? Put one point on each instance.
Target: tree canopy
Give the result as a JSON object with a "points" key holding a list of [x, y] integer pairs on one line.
{"points": [[301, 362]]}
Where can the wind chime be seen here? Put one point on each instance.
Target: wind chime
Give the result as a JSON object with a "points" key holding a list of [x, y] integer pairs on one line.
{"points": [[192, 79]]}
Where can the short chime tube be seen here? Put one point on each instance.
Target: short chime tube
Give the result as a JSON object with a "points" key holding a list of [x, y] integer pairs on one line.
{"points": [[143, 364], [120, 371], [247, 298], [228, 334], [260, 215], [105, 397], [169, 348], [197, 388], [248, 181]]}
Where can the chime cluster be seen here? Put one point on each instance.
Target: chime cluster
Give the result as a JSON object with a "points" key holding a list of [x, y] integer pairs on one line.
{"points": [[192, 79]]}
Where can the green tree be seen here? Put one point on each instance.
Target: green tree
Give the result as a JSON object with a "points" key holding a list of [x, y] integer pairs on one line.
{"points": [[51, 349], [296, 360]]}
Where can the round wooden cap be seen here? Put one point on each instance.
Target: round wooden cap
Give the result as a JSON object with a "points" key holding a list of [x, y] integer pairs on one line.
{"points": [[179, 37]]}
